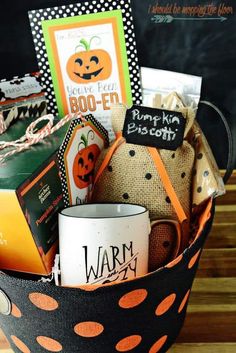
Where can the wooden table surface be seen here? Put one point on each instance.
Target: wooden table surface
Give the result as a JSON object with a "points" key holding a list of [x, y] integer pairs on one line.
{"points": [[210, 325]]}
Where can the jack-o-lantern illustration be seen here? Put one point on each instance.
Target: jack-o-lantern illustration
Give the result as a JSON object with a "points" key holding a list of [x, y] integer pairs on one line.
{"points": [[83, 165], [89, 65]]}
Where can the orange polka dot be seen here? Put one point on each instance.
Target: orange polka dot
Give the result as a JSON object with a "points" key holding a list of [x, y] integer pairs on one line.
{"points": [[88, 329], [184, 301], [158, 344], [49, 344], [165, 305], [174, 262], [20, 345], [43, 301], [194, 259], [133, 298], [15, 311], [128, 343]]}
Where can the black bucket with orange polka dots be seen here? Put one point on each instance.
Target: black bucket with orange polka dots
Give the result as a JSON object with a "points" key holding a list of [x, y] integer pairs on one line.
{"points": [[144, 315]]}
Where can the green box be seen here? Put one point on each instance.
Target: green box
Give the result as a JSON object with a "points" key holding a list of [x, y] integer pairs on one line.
{"points": [[30, 198]]}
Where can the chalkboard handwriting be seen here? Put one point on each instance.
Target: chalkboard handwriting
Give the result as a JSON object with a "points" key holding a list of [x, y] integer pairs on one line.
{"points": [[165, 133], [199, 10], [154, 127], [163, 117]]}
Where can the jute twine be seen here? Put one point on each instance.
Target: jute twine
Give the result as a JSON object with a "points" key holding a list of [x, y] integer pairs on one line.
{"points": [[32, 135]]}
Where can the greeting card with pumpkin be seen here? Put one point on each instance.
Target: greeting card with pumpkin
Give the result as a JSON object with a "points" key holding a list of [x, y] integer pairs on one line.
{"points": [[77, 155], [87, 57]]}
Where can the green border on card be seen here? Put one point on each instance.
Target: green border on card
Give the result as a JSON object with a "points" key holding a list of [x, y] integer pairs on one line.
{"points": [[47, 24]]}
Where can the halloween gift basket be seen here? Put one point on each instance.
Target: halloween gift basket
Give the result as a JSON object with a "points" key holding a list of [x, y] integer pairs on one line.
{"points": [[144, 314]]}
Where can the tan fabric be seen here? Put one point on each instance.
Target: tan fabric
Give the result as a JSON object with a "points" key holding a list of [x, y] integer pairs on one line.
{"points": [[118, 116], [131, 176], [163, 238]]}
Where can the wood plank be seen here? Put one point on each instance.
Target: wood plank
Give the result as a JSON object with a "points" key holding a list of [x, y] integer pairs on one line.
{"points": [[203, 348], [226, 208], [217, 263], [214, 285], [213, 295], [222, 235], [209, 327], [225, 214], [228, 199], [232, 179], [211, 313]]}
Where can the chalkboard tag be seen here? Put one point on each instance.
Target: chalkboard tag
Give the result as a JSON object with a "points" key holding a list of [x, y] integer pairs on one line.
{"points": [[152, 127]]}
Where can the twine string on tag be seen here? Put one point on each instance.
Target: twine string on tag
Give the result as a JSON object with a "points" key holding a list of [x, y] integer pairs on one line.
{"points": [[33, 135]]}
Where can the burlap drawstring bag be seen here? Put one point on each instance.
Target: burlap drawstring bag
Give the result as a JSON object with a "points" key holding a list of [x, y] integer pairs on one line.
{"points": [[157, 179]]}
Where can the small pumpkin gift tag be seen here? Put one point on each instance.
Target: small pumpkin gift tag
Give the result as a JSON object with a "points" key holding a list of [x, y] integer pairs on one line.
{"points": [[82, 145]]}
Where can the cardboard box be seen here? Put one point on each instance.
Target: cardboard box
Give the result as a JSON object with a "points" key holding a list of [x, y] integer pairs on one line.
{"points": [[30, 197], [21, 97]]}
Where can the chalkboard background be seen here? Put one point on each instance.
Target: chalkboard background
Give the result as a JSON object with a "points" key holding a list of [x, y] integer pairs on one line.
{"points": [[203, 46]]}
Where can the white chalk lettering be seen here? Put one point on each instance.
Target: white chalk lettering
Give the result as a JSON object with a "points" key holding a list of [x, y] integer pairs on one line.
{"points": [[168, 134], [165, 119], [135, 113], [176, 120], [165, 133], [131, 128]]}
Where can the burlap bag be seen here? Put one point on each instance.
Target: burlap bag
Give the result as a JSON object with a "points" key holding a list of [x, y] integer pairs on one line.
{"points": [[132, 176]]}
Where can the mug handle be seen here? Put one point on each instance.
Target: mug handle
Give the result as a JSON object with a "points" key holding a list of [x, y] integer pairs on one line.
{"points": [[177, 227]]}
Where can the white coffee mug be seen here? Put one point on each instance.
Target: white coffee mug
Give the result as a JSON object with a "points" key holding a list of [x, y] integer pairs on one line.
{"points": [[102, 243]]}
